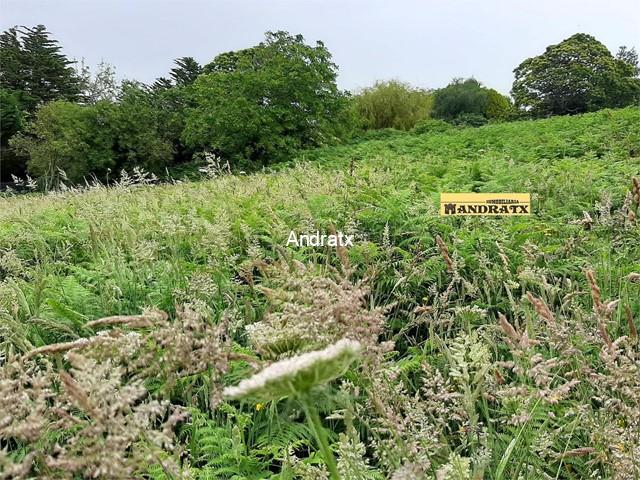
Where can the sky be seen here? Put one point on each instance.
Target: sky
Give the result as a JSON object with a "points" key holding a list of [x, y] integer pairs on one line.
{"points": [[425, 43]]}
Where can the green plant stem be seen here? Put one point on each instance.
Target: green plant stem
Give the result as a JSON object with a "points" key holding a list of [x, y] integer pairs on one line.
{"points": [[321, 437]]}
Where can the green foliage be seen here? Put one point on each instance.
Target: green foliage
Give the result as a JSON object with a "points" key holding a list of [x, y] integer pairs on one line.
{"points": [[137, 126], [172, 98], [99, 86], [67, 137], [11, 121], [577, 75], [34, 71], [468, 103], [392, 104], [431, 125], [83, 141], [33, 65], [69, 257], [470, 120], [460, 97], [498, 106], [262, 103]]}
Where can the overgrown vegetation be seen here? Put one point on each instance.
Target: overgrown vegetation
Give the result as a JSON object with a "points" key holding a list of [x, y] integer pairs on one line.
{"points": [[393, 104], [257, 106], [165, 332]]}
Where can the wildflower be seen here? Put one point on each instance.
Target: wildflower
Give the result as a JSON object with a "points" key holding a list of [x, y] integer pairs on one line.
{"points": [[298, 374]]}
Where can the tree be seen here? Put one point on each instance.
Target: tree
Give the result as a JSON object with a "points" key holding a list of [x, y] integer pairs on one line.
{"points": [[498, 107], [577, 75], [32, 63], [67, 137], [393, 104], [185, 72], [264, 102], [171, 97], [11, 121], [460, 97], [630, 57], [99, 86], [136, 124], [33, 72]]}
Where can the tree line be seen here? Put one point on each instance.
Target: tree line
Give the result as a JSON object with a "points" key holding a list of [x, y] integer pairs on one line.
{"points": [[259, 105]]}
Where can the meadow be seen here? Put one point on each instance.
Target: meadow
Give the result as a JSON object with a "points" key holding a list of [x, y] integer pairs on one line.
{"points": [[447, 348]]}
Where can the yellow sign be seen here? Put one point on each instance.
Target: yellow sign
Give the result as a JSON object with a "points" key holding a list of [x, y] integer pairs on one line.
{"points": [[485, 204]]}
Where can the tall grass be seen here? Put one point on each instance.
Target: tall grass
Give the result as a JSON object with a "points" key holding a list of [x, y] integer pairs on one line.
{"points": [[495, 348]]}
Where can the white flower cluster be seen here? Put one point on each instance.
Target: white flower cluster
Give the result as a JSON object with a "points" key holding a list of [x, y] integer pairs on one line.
{"points": [[299, 373]]}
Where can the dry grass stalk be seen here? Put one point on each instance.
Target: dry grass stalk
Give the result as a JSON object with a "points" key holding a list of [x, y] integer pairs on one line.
{"points": [[633, 333], [602, 311], [58, 348], [635, 191], [341, 251], [146, 319], [444, 251], [542, 309], [508, 329], [595, 291], [77, 394]]}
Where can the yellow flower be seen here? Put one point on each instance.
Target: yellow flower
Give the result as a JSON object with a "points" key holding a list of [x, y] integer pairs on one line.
{"points": [[259, 406]]}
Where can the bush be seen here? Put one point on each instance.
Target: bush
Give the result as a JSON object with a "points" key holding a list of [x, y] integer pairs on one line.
{"points": [[392, 104], [467, 102], [431, 125], [470, 120]]}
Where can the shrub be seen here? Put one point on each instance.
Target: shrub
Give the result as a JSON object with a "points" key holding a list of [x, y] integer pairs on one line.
{"points": [[392, 104], [431, 125], [470, 120]]}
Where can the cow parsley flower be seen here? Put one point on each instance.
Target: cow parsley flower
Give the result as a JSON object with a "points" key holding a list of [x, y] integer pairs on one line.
{"points": [[298, 374]]}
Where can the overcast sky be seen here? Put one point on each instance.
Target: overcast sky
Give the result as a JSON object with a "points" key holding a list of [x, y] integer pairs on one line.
{"points": [[423, 42]]}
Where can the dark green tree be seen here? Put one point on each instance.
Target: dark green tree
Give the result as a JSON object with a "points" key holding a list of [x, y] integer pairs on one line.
{"points": [[33, 71], [460, 97], [171, 97], [70, 138], [264, 102], [577, 75], [137, 126], [11, 121], [32, 63], [185, 72]]}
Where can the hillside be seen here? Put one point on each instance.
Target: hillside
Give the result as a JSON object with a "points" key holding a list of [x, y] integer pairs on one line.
{"points": [[514, 407]]}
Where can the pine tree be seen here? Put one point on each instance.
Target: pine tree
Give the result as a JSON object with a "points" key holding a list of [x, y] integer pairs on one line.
{"points": [[32, 64], [186, 71]]}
